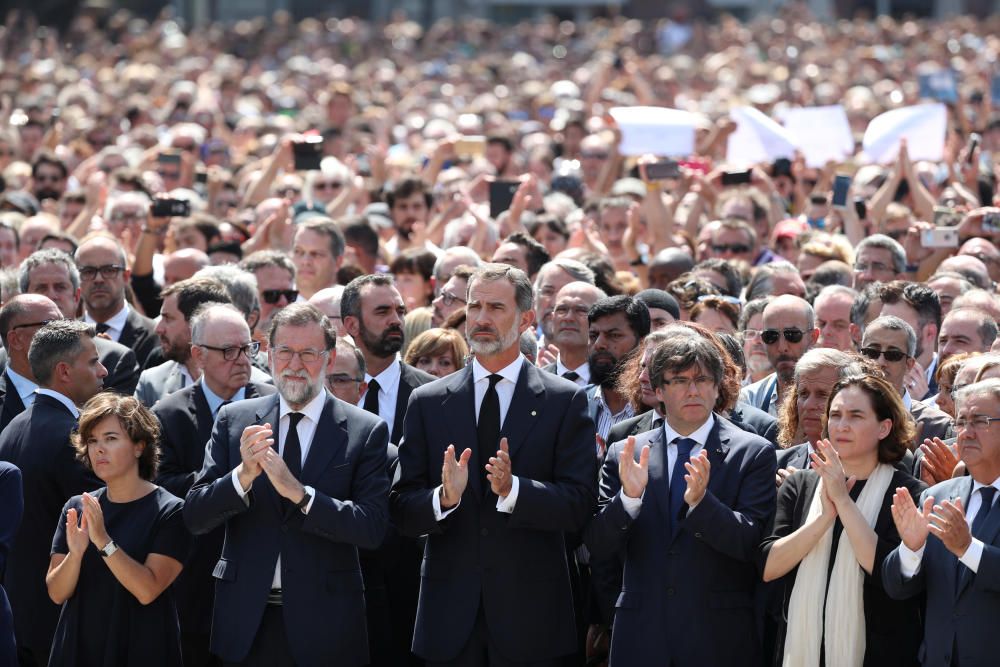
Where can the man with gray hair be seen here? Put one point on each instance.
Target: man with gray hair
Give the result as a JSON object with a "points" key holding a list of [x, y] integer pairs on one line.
{"points": [[522, 476], [65, 364], [878, 258], [551, 278]]}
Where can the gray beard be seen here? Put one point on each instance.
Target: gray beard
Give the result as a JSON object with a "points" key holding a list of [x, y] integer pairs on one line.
{"points": [[495, 347]]}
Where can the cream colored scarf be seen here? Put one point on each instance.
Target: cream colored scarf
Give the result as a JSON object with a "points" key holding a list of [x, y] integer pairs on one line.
{"points": [[844, 628]]}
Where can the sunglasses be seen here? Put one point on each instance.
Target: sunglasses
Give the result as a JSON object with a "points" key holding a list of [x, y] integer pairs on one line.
{"points": [[770, 336], [890, 355], [273, 296], [737, 248]]}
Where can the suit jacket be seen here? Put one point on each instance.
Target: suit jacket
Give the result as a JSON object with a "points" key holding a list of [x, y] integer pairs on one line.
{"points": [[514, 565], [322, 587], [159, 381], [931, 422], [409, 379], [37, 442], [139, 334], [121, 363], [12, 405], [12, 502], [965, 619], [633, 426], [797, 456], [679, 593]]}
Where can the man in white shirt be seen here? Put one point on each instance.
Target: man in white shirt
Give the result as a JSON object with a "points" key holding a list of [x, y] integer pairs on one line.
{"points": [[571, 331]]}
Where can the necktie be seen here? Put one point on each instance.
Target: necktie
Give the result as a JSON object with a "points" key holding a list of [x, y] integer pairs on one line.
{"points": [[572, 376], [293, 450], [488, 427], [371, 397], [102, 327], [677, 484], [222, 405], [986, 493]]}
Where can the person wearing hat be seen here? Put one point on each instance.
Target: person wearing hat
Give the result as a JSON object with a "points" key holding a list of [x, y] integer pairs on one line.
{"points": [[663, 307]]}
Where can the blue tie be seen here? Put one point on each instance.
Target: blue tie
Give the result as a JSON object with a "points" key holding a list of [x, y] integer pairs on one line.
{"points": [[986, 493], [677, 484]]}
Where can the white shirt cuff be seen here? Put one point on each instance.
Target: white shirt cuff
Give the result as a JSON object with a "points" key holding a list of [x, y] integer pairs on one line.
{"points": [[909, 560], [506, 505], [973, 555], [239, 487], [631, 505], [312, 498], [436, 503]]}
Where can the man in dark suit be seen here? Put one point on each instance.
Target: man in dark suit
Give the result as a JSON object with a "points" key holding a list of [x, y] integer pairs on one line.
{"points": [[64, 360], [12, 501], [289, 589], [571, 331], [104, 273], [495, 586], [20, 318], [690, 538], [220, 346], [372, 310], [950, 546], [53, 273]]}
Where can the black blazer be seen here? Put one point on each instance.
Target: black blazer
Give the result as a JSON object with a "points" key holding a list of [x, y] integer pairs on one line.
{"points": [[320, 575], [122, 366], [12, 502], [679, 593], [139, 334], [891, 627], [744, 415], [514, 565], [409, 379], [11, 400], [37, 442]]}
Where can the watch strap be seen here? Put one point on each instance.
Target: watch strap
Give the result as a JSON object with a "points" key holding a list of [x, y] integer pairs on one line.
{"points": [[109, 549]]}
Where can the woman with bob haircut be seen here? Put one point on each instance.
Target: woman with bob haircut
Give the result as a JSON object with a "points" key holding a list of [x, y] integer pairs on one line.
{"points": [[832, 530], [439, 352], [117, 550]]}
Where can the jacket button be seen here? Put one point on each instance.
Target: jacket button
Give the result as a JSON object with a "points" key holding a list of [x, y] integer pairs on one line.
{"points": [[670, 591], [484, 532], [698, 535]]}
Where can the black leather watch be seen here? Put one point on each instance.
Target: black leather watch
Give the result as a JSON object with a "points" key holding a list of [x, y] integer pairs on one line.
{"points": [[302, 504]]}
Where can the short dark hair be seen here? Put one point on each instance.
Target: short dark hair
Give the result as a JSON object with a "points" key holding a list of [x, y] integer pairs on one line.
{"points": [[204, 224], [492, 271], [57, 342], [407, 188], [136, 420], [417, 261], [46, 157], [550, 221], [327, 227], [635, 312], [920, 297], [501, 140], [194, 292], [679, 353], [862, 302], [350, 300], [357, 231], [534, 252], [300, 315], [734, 284]]}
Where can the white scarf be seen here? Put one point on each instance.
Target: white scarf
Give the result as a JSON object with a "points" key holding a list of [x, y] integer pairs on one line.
{"points": [[844, 627]]}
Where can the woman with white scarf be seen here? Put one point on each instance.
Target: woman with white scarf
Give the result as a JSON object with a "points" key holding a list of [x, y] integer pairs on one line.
{"points": [[832, 530]]}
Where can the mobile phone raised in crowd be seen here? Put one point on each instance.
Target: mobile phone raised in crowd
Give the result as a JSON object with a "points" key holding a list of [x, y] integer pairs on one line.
{"points": [[939, 237], [736, 177], [659, 171], [170, 208], [308, 153], [841, 184], [945, 216], [501, 196], [172, 156], [471, 146]]}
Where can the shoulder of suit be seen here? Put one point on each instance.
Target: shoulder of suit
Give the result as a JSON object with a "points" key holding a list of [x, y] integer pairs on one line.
{"points": [[927, 412], [106, 348], [740, 437], [175, 400], [414, 376], [264, 389], [947, 488], [354, 414]]}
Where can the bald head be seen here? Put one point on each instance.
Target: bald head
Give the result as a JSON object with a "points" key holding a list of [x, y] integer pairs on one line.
{"points": [[789, 330], [667, 266], [20, 318], [183, 264], [972, 268], [986, 251], [327, 300]]}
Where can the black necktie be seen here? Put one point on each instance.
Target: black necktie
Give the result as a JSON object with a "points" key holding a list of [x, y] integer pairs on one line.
{"points": [[677, 484], [986, 493], [371, 397], [293, 450], [224, 404], [488, 426], [102, 327], [572, 376]]}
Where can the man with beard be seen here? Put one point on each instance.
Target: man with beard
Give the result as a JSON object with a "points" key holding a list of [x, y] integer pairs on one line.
{"points": [[48, 177], [373, 311], [618, 325], [410, 203], [789, 330], [518, 473], [298, 480]]}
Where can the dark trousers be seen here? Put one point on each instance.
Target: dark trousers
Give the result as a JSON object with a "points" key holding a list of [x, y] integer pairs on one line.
{"points": [[270, 647], [28, 657], [482, 651], [194, 648]]}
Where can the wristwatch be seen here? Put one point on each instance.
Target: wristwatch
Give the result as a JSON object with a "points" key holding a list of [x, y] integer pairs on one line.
{"points": [[302, 504], [109, 549]]}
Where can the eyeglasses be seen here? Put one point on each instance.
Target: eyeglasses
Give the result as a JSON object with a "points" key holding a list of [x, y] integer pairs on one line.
{"points": [[735, 248], [342, 379], [108, 271], [890, 355], [307, 356], [874, 267], [751, 334], [289, 191], [770, 336], [27, 325], [977, 423], [579, 311], [232, 352], [700, 382], [273, 296], [449, 299]]}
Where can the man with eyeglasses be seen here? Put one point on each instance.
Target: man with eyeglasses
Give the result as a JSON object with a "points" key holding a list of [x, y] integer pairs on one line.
{"points": [[298, 480], [20, 318], [733, 239], [103, 276], [789, 331], [451, 296], [572, 331], [221, 348], [950, 546], [275, 274], [878, 258], [985, 251], [891, 343], [347, 379]]}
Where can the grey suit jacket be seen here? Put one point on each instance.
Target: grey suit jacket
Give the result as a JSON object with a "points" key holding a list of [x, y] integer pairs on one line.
{"points": [[157, 382], [931, 422], [762, 394]]}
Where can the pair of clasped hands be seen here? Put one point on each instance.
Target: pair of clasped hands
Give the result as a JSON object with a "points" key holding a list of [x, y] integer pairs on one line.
{"points": [[455, 474]]}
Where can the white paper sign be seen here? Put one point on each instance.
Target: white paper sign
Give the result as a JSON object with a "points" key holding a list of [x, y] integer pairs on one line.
{"points": [[820, 133], [924, 127], [757, 138], [657, 130]]}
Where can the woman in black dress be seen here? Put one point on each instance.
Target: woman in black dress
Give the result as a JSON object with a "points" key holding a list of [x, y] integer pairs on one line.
{"points": [[832, 530], [117, 550]]}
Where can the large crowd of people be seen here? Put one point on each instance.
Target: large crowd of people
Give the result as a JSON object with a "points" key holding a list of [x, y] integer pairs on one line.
{"points": [[335, 343]]}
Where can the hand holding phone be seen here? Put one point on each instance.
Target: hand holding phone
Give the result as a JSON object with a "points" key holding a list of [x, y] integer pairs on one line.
{"points": [[307, 153], [736, 177], [841, 186], [939, 237]]}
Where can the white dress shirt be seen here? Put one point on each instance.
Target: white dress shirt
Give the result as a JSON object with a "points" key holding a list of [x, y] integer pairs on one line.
{"points": [[505, 392], [388, 390], [910, 561], [116, 323], [25, 387], [700, 437], [42, 391], [312, 411], [583, 371]]}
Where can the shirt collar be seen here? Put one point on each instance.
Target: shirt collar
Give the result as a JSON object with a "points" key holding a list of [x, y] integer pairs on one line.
{"points": [[509, 372], [976, 485], [42, 391], [115, 322], [583, 370], [700, 434], [215, 401], [387, 378], [907, 399], [24, 386], [313, 409]]}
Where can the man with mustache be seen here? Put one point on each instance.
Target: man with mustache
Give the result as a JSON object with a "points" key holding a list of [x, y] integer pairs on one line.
{"points": [[48, 177], [372, 310], [298, 480]]}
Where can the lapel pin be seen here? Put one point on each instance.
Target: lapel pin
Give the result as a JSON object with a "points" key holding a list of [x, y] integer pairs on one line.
{"points": [[533, 413]]}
